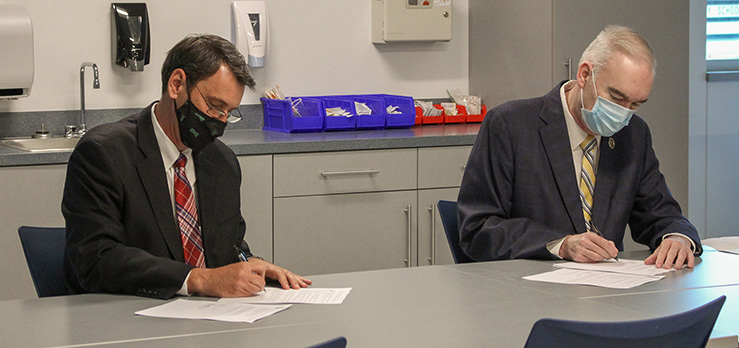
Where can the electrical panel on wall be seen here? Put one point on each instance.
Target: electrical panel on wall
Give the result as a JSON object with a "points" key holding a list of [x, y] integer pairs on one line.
{"points": [[411, 20]]}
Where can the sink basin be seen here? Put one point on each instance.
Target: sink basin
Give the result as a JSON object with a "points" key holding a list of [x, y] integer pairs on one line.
{"points": [[41, 144]]}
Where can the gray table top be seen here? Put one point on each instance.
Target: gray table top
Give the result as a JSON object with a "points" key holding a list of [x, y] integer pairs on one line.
{"points": [[483, 304], [258, 142]]}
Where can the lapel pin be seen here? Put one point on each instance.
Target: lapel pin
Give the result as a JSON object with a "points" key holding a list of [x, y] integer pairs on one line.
{"points": [[611, 143]]}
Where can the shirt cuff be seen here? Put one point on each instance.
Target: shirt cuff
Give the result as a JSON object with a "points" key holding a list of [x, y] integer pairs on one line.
{"points": [[183, 289], [692, 243], [554, 247]]}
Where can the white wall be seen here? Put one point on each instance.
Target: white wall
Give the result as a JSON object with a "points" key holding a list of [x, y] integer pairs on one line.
{"points": [[316, 47]]}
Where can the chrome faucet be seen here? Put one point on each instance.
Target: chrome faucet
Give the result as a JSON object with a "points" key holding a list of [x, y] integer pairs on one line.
{"points": [[96, 85]]}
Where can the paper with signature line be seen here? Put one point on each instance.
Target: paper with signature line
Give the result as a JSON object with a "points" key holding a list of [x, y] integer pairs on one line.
{"points": [[305, 295], [635, 267]]}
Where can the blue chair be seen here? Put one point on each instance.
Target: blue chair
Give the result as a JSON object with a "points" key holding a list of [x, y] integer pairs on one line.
{"points": [[448, 213], [338, 342], [44, 250], [688, 329]]}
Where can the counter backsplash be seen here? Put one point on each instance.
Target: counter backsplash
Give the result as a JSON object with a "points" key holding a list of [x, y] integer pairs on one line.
{"points": [[21, 124]]}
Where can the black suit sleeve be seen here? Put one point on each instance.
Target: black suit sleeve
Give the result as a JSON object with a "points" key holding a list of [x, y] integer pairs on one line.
{"points": [[490, 228], [655, 212], [100, 256]]}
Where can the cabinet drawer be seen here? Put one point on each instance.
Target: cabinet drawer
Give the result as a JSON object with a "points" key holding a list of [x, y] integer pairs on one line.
{"points": [[344, 172], [442, 166]]}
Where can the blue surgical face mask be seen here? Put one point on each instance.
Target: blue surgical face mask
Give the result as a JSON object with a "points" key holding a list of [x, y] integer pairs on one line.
{"points": [[607, 117]]}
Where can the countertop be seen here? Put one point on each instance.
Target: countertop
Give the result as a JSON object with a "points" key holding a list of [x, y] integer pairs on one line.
{"points": [[259, 142]]}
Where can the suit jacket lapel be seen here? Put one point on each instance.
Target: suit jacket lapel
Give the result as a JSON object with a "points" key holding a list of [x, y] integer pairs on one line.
{"points": [[153, 178], [556, 143], [605, 181], [206, 187]]}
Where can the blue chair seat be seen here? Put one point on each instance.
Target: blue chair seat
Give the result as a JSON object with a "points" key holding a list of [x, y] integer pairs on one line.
{"points": [[448, 213], [44, 250], [338, 342], [687, 329]]}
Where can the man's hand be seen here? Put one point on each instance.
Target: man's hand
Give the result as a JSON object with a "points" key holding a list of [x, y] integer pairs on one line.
{"points": [[239, 279], [674, 252], [286, 278], [587, 247]]}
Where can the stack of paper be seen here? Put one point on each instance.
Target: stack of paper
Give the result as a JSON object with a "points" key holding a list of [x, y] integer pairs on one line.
{"points": [[243, 309], [190, 309], [623, 274]]}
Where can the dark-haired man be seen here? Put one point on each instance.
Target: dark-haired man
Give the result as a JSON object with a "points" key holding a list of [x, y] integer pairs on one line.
{"points": [[152, 203]]}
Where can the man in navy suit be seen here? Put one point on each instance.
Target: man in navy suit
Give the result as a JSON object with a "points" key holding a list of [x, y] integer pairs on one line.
{"points": [[521, 194], [130, 228]]}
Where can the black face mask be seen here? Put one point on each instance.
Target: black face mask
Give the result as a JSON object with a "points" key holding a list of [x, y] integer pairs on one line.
{"points": [[197, 129]]}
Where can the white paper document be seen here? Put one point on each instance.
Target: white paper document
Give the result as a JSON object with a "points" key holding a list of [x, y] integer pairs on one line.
{"points": [[634, 267], [305, 295], [602, 279], [725, 244], [622, 274], [234, 312]]}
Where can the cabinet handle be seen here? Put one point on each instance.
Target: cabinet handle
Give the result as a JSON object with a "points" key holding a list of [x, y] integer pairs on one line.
{"points": [[432, 209], [410, 240], [352, 172]]}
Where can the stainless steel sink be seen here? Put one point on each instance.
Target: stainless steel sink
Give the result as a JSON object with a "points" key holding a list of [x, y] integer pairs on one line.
{"points": [[41, 144]]}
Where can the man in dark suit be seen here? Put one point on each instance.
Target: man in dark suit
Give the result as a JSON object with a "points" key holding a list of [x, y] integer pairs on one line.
{"points": [[151, 202], [560, 176]]}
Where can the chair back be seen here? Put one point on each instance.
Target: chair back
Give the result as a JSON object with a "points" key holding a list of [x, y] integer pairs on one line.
{"points": [[448, 213], [44, 250], [338, 342], [687, 329]]}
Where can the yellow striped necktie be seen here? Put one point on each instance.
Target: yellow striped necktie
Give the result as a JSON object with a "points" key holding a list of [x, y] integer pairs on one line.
{"points": [[587, 178]]}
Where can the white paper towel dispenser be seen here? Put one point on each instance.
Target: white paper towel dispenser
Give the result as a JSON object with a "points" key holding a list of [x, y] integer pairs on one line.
{"points": [[16, 55], [249, 32]]}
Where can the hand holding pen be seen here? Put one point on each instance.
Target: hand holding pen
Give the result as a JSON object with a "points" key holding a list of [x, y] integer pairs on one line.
{"points": [[597, 231]]}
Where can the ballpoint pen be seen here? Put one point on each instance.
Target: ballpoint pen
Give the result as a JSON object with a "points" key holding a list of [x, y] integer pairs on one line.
{"points": [[240, 254], [595, 229]]}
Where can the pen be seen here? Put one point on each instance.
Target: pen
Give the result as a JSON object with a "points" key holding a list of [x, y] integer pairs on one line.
{"points": [[595, 229], [240, 254]]}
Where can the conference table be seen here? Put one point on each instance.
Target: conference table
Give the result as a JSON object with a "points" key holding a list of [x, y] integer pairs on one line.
{"points": [[464, 305]]}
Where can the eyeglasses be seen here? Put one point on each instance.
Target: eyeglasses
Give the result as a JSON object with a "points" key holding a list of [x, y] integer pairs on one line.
{"points": [[232, 116]]}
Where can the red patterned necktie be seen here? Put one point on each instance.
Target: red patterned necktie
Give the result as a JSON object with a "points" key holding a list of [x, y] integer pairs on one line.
{"points": [[187, 215]]}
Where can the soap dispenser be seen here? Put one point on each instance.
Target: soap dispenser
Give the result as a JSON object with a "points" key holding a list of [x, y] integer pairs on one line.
{"points": [[131, 39]]}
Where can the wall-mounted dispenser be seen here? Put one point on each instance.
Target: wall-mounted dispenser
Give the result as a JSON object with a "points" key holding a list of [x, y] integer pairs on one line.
{"points": [[411, 20], [16, 52], [249, 32], [131, 38]]}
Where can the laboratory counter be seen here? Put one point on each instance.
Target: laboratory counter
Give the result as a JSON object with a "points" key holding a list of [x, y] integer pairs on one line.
{"points": [[259, 142]]}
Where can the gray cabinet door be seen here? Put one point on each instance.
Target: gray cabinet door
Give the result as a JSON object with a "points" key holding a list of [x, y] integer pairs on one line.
{"points": [[433, 248], [345, 232], [256, 203]]}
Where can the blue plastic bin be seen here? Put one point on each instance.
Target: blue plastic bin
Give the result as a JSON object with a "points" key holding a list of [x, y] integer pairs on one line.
{"points": [[338, 122], [278, 115], [374, 121], [407, 116]]}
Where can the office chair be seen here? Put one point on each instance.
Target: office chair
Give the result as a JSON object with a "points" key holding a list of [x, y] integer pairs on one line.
{"points": [[687, 329], [338, 342], [44, 250], [448, 213]]}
